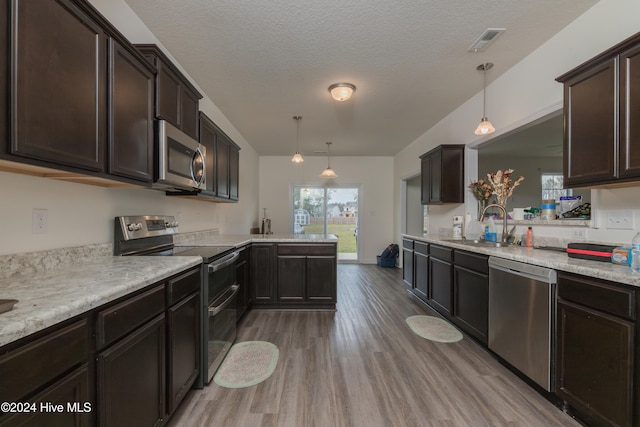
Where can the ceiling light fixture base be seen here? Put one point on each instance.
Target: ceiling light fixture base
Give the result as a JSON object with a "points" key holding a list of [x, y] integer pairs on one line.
{"points": [[342, 91]]}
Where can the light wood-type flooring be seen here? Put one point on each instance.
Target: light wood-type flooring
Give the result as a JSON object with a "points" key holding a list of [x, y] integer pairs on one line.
{"points": [[363, 366]]}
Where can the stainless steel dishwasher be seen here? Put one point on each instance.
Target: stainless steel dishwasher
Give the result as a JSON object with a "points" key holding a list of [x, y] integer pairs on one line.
{"points": [[522, 299]]}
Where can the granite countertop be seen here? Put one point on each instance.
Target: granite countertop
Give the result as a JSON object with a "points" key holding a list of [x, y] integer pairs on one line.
{"points": [[546, 258], [53, 295], [208, 239], [56, 285]]}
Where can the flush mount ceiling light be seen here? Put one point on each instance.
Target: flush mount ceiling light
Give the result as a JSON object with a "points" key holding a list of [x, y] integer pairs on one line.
{"points": [[485, 127], [341, 91], [328, 172], [297, 158]]}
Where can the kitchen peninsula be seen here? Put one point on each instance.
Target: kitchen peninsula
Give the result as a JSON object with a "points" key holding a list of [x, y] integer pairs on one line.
{"points": [[88, 312]]}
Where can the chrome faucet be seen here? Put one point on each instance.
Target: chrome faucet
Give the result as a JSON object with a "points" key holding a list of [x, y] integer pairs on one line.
{"points": [[505, 236]]}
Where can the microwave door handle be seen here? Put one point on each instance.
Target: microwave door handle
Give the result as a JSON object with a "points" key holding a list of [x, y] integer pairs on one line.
{"points": [[197, 153], [215, 309]]}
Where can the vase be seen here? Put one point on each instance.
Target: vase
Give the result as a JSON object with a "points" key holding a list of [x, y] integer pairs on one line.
{"points": [[481, 205]]}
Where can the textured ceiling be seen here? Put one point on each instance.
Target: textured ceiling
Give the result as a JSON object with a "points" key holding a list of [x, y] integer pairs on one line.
{"points": [[262, 62]]}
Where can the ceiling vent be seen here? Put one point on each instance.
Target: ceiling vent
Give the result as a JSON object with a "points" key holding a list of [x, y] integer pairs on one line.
{"points": [[486, 39]]}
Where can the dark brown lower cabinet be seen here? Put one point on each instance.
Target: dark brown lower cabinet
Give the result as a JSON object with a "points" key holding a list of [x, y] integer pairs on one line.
{"points": [[596, 349], [407, 262], [471, 294], [262, 272], [441, 280], [131, 378], [69, 402], [183, 332], [306, 274], [421, 270]]}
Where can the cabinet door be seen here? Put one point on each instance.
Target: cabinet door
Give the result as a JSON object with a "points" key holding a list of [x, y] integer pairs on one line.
{"points": [[131, 378], [440, 285], [421, 279], [189, 112], [59, 98], [407, 267], [183, 332], [629, 165], [435, 177], [262, 267], [595, 364], [208, 138], [321, 278], [471, 302], [72, 392], [291, 278], [131, 113], [168, 91], [590, 138], [234, 172], [222, 166]]}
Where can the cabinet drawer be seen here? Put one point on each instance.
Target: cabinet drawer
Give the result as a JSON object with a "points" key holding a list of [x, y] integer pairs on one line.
{"points": [[116, 321], [407, 244], [421, 248], [22, 370], [302, 249], [183, 285], [475, 262], [605, 296], [442, 253]]}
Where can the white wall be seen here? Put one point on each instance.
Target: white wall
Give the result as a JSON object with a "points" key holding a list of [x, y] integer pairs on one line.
{"points": [[81, 214], [524, 93], [374, 176]]}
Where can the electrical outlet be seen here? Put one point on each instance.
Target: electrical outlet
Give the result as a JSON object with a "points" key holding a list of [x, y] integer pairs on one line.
{"points": [[620, 220], [579, 233], [39, 221]]}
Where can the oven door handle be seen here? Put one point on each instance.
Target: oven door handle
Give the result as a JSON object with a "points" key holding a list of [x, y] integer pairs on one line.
{"points": [[213, 310], [223, 262]]}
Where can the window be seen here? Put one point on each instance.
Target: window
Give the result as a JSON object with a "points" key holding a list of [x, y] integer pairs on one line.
{"points": [[552, 187]]}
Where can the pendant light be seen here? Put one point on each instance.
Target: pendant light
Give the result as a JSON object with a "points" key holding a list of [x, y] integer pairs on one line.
{"points": [[297, 158], [342, 91], [485, 127], [328, 172]]}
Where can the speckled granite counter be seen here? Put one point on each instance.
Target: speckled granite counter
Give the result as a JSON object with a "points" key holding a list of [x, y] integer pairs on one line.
{"points": [[551, 259], [58, 293], [212, 239]]}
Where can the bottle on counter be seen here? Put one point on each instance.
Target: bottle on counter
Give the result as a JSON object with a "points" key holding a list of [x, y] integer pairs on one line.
{"points": [[635, 253], [530, 237]]}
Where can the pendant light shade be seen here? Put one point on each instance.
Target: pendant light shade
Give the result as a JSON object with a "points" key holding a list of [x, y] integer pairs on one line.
{"points": [[485, 127], [328, 172], [341, 91], [297, 158]]}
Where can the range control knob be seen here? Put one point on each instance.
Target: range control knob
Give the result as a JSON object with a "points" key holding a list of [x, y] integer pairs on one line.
{"points": [[134, 226], [172, 224]]}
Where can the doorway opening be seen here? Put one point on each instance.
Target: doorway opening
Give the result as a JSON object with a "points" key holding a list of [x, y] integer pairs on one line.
{"points": [[328, 210]]}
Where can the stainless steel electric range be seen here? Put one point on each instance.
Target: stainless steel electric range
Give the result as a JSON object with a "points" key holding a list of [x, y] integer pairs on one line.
{"points": [[152, 235]]}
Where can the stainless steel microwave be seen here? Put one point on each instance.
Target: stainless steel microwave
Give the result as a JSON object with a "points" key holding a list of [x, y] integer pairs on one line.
{"points": [[180, 163]]}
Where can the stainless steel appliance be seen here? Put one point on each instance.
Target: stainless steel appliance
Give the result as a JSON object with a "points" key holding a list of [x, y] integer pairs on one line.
{"points": [[180, 160], [522, 299], [153, 235]]}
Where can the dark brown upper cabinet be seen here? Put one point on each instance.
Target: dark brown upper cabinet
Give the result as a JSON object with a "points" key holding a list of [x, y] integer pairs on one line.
{"points": [[442, 172], [82, 96], [601, 98], [222, 162], [131, 116], [176, 99], [59, 99]]}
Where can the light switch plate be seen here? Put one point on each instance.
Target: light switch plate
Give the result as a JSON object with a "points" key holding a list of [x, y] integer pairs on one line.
{"points": [[620, 220]]}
